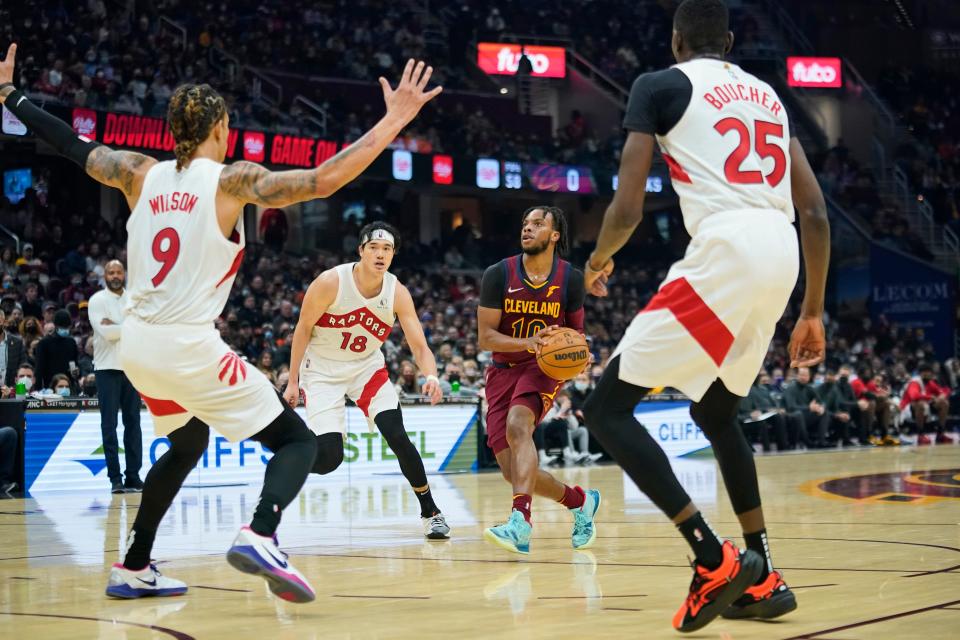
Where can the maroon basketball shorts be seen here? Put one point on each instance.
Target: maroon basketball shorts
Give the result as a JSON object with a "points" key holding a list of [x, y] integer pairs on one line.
{"points": [[523, 384]]}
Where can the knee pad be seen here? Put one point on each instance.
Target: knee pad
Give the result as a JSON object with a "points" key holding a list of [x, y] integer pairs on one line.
{"points": [[329, 453]]}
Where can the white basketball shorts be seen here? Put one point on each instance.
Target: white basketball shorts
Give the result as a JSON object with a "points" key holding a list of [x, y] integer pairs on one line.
{"points": [[184, 371], [716, 311], [325, 383]]}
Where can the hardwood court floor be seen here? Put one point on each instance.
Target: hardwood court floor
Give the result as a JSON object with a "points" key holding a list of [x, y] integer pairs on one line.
{"points": [[884, 563]]}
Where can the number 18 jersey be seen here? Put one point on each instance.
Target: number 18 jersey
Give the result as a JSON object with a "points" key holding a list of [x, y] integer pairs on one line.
{"points": [[353, 327], [181, 267], [723, 133]]}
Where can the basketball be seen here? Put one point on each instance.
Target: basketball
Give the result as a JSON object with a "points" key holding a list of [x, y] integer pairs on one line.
{"points": [[564, 355]]}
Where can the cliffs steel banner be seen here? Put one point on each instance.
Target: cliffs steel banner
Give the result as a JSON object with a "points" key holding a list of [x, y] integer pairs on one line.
{"points": [[913, 295], [498, 58], [670, 425], [63, 451]]}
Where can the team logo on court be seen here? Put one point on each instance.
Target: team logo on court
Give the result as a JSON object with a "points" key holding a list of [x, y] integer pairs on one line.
{"points": [[910, 486], [231, 365]]}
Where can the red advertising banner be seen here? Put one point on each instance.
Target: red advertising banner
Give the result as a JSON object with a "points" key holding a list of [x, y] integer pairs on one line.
{"points": [[443, 169], [85, 123], [497, 58], [814, 72]]}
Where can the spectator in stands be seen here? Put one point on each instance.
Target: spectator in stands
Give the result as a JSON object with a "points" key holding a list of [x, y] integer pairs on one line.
{"points": [[924, 399], [8, 456], [31, 302], [12, 354], [760, 416], [88, 386], [115, 392], [408, 382], [800, 400], [265, 364], [839, 408], [60, 385], [57, 353]]}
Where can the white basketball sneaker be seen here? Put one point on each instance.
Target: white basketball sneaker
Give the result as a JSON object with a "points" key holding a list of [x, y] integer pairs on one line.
{"points": [[126, 583], [260, 555], [435, 527]]}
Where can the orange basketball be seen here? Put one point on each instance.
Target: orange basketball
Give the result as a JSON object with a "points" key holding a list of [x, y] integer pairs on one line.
{"points": [[564, 355]]}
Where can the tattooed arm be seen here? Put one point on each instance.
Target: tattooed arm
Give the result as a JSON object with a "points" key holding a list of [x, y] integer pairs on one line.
{"points": [[124, 170], [248, 182]]}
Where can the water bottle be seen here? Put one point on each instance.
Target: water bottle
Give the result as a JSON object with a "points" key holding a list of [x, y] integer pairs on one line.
{"points": [[21, 390], [455, 388]]}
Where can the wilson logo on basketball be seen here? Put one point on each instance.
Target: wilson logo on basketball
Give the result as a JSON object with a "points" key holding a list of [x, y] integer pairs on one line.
{"points": [[572, 356], [231, 365]]}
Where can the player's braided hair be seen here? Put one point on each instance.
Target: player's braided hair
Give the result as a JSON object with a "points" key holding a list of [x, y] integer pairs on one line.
{"points": [[559, 225], [193, 110]]}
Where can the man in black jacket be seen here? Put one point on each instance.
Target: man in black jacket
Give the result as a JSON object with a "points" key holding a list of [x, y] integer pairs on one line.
{"points": [[761, 417], [800, 399], [12, 354], [57, 353], [837, 407]]}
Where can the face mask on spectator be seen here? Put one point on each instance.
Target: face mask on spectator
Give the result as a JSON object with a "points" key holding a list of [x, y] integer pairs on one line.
{"points": [[25, 381], [63, 391], [63, 332], [581, 386]]}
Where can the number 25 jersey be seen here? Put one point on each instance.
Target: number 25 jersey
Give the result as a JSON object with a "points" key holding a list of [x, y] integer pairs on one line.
{"points": [[723, 133], [180, 265]]}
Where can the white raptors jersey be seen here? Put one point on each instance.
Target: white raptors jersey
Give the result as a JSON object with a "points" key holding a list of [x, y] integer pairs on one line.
{"points": [[181, 267], [731, 148], [353, 327]]}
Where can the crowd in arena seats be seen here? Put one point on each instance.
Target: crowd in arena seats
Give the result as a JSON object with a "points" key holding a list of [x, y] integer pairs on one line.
{"points": [[927, 103]]}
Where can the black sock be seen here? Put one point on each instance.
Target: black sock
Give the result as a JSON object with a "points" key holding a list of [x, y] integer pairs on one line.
{"points": [[428, 508], [705, 544], [758, 542], [266, 517], [138, 548]]}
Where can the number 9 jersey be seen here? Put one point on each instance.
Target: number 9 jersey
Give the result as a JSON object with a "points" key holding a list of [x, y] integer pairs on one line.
{"points": [[181, 267], [723, 133]]}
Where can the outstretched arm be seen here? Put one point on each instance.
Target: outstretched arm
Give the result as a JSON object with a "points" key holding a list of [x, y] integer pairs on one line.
{"points": [[123, 170], [625, 211], [413, 332], [249, 182]]}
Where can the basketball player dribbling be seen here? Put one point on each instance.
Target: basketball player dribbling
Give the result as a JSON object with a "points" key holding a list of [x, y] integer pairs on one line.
{"points": [[523, 299], [185, 245], [727, 140], [346, 316]]}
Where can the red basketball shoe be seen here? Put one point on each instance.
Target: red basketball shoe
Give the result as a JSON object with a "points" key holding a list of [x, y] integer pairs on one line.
{"points": [[771, 598], [711, 592]]}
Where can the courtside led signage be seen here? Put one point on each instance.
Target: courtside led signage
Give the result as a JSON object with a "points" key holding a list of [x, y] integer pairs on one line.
{"points": [[814, 72], [560, 178], [512, 175], [85, 123], [443, 169], [488, 173], [497, 58], [402, 164]]}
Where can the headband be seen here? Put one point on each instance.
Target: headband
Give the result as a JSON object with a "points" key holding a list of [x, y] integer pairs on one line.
{"points": [[378, 234]]}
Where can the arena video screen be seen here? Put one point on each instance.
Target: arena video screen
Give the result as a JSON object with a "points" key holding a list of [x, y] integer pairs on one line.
{"points": [[561, 178], [15, 184]]}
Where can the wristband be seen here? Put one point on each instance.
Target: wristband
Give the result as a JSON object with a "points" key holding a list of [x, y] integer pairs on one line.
{"points": [[432, 378]]}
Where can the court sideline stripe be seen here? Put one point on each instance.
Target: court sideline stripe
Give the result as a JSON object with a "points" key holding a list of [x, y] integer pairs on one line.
{"points": [[173, 633], [812, 635]]}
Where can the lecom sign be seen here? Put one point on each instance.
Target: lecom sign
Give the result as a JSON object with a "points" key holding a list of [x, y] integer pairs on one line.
{"points": [[814, 72], [497, 58]]}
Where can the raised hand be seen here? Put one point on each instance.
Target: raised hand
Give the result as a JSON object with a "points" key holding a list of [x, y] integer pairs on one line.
{"points": [[405, 102], [6, 71], [808, 345]]}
